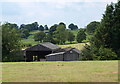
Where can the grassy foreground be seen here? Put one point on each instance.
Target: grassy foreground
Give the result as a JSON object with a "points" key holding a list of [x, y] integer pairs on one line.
{"points": [[74, 71]]}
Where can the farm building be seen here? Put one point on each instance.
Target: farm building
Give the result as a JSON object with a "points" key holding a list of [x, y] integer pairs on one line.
{"points": [[68, 54], [50, 52], [38, 52]]}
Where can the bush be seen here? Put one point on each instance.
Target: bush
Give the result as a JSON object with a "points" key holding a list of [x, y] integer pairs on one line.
{"points": [[15, 56], [94, 53], [106, 54]]}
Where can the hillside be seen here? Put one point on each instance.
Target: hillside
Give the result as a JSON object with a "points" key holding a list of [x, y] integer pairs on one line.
{"points": [[30, 39]]}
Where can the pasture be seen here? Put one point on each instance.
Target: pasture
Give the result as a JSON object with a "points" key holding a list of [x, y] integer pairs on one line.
{"points": [[79, 46], [74, 71]]}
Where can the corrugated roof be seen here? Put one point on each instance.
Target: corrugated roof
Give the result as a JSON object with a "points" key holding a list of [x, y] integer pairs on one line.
{"points": [[67, 48], [76, 50], [70, 48], [50, 45], [55, 53], [47, 45]]}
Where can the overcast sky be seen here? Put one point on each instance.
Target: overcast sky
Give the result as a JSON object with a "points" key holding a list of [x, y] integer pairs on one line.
{"points": [[79, 12]]}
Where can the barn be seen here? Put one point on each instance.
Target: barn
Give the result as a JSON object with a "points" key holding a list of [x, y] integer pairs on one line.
{"points": [[67, 54], [38, 52]]}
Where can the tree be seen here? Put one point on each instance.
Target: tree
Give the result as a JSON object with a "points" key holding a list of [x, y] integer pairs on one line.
{"points": [[41, 28], [72, 26], [53, 28], [46, 27], [12, 25], [39, 36], [103, 33], [30, 27], [25, 33], [70, 36], [104, 44], [10, 41], [115, 42], [81, 35], [60, 34], [90, 29], [22, 26]]}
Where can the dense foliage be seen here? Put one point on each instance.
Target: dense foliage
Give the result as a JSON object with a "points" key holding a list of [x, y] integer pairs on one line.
{"points": [[39, 36], [81, 35], [104, 44], [72, 26], [10, 41]]}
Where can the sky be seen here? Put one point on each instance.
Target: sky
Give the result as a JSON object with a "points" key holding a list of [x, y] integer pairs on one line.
{"points": [[50, 12]]}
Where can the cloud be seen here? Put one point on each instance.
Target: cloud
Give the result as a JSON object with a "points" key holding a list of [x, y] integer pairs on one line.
{"points": [[58, 0], [53, 12]]}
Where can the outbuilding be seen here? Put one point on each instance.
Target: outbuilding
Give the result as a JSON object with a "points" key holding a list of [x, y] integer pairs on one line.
{"points": [[38, 52], [67, 54]]}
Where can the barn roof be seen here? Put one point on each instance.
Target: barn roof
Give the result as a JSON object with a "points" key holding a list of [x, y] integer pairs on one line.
{"points": [[45, 45], [50, 45], [55, 54], [70, 48]]}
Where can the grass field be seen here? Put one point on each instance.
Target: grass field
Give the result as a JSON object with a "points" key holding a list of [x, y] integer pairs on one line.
{"points": [[79, 46], [74, 71]]}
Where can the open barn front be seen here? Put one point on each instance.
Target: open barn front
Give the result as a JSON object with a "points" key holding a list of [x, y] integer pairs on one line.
{"points": [[36, 55]]}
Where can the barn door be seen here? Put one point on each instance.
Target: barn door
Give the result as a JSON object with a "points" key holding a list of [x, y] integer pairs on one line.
{"points": [[35, 58]]}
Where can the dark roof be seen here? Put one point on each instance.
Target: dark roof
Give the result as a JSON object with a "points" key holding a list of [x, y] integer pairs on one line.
{"points": [[50, 45], [67, 49], [43, 46], [70, 48], [55, 54], [76, 50]]}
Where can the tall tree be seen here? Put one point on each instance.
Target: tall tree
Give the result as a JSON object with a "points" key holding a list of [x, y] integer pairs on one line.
{"points": [[81, 35], [104, 44], [90, 29], [39, 36], [10, 40], [60, 34], [70, 36], [103, 35]]}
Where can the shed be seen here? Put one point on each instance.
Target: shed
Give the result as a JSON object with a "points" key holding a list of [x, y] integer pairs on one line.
{"points": [[71, 54], [67, 54], [38, 52], [55, 56]]}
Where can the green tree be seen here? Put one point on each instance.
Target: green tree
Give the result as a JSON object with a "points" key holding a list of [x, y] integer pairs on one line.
{"points": [[60, 34], [70, 36], [10, 40], [41, 28], [90, 29], [72, 26], [81, 35], [103, 35], [46, 27], [104, 45], [30, 27], [115, 36], [25, 33], [39, 36]]}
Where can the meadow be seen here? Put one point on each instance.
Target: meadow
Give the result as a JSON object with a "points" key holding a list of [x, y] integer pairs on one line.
{"points": [[72, 71]]}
